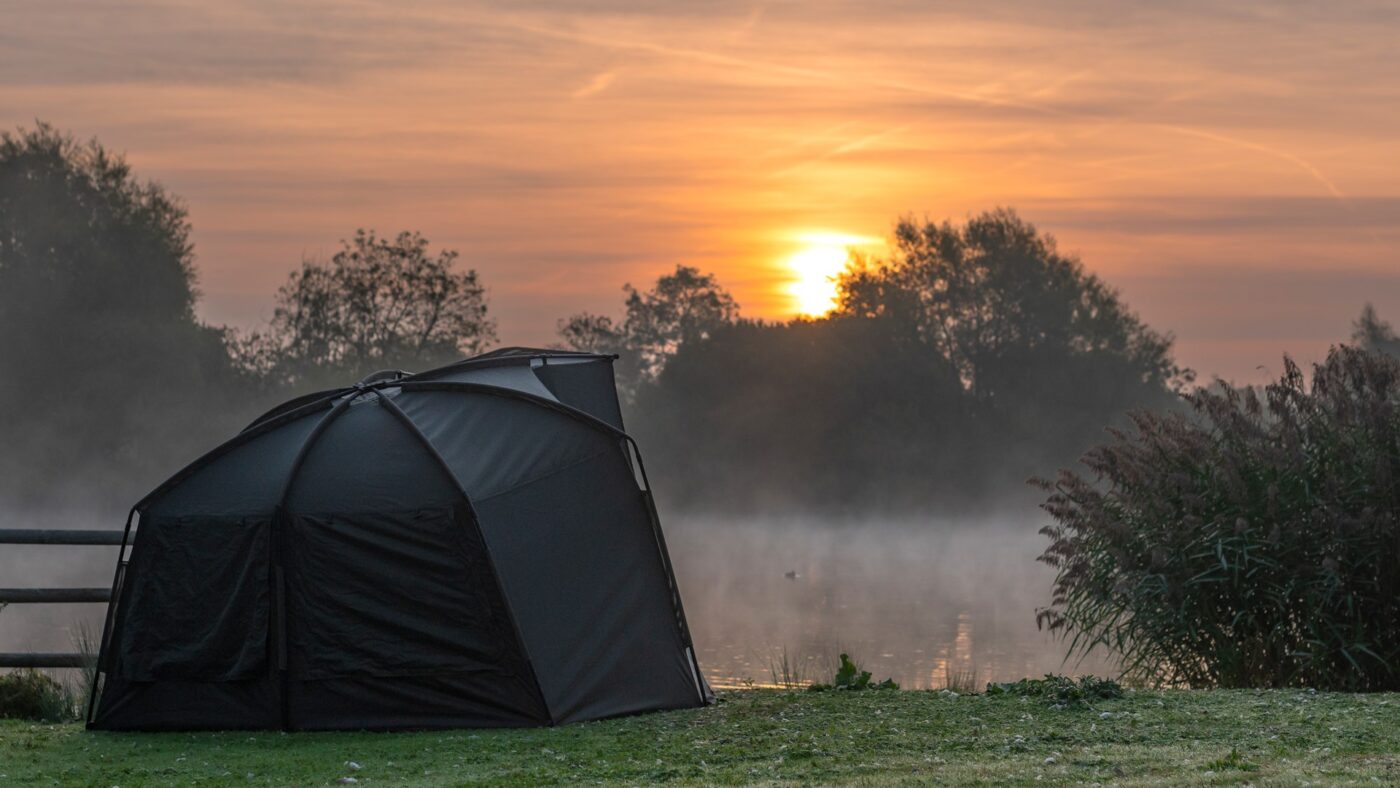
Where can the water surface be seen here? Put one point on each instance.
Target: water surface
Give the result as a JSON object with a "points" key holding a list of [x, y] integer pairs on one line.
{"points": [[923, 603]]}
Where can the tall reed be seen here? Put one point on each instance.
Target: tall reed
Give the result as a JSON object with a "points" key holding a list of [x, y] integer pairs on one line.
{"points": [[1252, 542]]}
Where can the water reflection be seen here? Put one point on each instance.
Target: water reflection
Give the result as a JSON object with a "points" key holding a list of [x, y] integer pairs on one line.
{"points": [[927, 605]]}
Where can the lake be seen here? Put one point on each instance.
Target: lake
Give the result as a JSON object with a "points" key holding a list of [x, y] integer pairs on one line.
{"points": [[924, 603]]}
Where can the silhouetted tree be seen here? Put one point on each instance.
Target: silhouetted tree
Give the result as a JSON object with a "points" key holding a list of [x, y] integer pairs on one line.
{"points": [[377, 303], [974, 357], [1369, 332], [592, 333], [682, 307], [835, 415], [994, 295], [107, 373]]}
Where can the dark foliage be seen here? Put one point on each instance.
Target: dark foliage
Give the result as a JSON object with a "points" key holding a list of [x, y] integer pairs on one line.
{"points": [[31, 695], [1060, 691], [850, 677], [973, 357], [1252, 543], [683, 308], [995, 298], [108, 377], [377, 303], [826, 414], [1370, 332]]}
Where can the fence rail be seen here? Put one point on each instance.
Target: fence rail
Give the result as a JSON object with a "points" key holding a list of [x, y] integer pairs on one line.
{"points": [[48, 536], [43, 659], [22, 596], [59, 536]]}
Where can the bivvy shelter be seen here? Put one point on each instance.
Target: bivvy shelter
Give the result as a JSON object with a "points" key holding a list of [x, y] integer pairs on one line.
{"points": [[466, 547]]}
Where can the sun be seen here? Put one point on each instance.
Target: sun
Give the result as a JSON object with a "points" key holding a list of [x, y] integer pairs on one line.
{"points": [[814, 268], [814, 289]]}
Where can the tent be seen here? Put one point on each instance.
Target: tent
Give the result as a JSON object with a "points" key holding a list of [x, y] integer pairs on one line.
{"points": [[471, 546]]}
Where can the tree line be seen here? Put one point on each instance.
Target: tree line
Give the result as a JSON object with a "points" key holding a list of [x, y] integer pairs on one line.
{"points": [[949, 372], [971, 357]]}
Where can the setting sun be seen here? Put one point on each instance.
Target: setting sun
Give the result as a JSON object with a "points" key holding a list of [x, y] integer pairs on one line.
{"points": [[815, 268]]}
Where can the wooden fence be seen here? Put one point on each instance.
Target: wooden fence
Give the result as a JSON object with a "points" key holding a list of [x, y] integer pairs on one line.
{"points": [[28, 596]]}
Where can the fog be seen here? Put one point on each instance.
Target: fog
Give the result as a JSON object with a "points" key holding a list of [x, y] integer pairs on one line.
{"points": [[918, 601]]}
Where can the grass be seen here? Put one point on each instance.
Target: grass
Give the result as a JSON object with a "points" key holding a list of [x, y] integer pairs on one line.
{"points": [[775, 736]]}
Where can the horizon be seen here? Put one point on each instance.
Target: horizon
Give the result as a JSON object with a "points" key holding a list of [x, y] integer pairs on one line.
{"points": [[1232, 172]]}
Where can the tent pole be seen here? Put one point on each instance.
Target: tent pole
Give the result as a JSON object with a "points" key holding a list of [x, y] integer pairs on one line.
{"points": [[118, 575], [277, 548]]}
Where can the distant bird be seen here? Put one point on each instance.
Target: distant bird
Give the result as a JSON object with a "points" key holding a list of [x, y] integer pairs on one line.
{"points": [[790, 574]]}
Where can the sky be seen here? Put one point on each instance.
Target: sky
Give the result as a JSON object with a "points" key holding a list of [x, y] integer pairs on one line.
{"points": [[1232, 168]]}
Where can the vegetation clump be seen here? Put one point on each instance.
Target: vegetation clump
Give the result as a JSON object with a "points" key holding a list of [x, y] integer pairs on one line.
{"points": [[850, 677], [31, 695], [1253, 542], [1061, 691]]}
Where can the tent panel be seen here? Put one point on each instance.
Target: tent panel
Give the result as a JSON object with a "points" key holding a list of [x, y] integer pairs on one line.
{"points": [[586, 384], [392, 594], [245, 481], [474, 699], [365, 461], [250, 704], [195, 603], [494, 443], [582, 569]]}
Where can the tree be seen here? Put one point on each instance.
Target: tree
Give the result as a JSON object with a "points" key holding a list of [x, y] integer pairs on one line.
{"points": [[591, 333], [994, 295], [377, 303], [683, 307], [105, 364], [1369, 332], [837, 416]]}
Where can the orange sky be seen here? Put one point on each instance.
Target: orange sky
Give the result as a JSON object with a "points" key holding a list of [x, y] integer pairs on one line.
{"points": [[1236, 172]]}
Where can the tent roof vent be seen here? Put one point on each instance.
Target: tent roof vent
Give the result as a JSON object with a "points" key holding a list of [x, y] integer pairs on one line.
{"points": [[382, 376]]}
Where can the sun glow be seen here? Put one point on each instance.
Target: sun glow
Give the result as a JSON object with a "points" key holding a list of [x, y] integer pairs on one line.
{"points": [[815, 267]]}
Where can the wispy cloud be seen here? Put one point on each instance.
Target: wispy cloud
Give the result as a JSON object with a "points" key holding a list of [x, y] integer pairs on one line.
{"points": [[599, 83], [1282, 155]]}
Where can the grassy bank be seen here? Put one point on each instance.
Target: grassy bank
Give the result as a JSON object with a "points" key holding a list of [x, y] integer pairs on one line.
{"points": [[775, 736]]}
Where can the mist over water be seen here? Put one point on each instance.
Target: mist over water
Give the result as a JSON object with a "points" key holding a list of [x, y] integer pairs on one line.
{"points": [[916, 601]]}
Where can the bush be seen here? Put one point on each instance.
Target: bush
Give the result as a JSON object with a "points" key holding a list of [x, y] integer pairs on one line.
{"points": [[1061, 691], [31, 695], [1250, 543]]}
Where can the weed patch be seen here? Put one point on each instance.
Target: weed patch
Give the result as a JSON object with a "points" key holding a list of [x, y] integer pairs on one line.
{"points": [[1061, 691], [850, 677], [31, 695]]}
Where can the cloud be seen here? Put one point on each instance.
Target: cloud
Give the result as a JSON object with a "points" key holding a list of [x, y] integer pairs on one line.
{"points": [[599, 83]]}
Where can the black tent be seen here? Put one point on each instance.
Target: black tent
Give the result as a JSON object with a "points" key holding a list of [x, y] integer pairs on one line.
{"points": [[470, 546]]}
